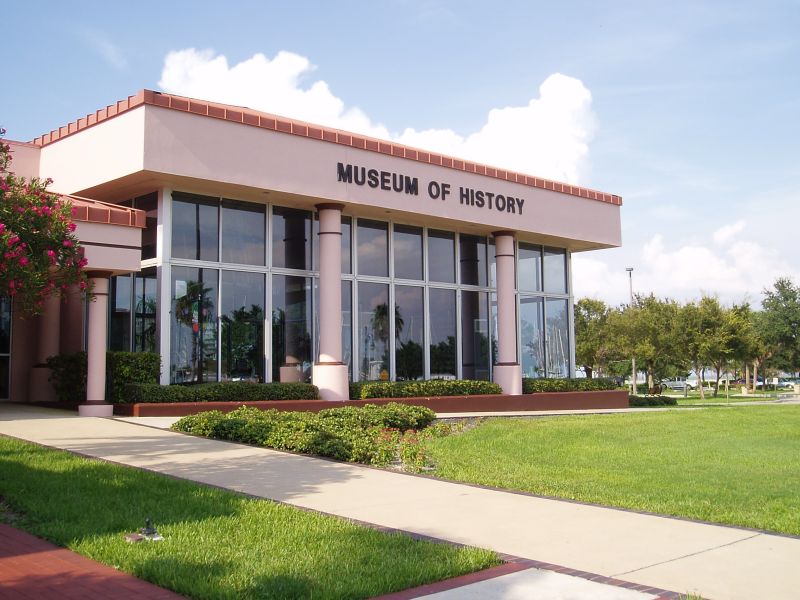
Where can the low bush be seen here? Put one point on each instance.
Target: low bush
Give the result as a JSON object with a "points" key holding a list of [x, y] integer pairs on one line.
{"points": [[233, 391], [68, 373], [371, 434], [421, 389], [642, 401], [533, 386]]}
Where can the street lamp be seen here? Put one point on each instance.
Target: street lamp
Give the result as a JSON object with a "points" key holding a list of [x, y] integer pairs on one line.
{"points": [[633, 358]]}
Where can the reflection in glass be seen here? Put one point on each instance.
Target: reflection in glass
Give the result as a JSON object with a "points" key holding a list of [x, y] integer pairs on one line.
{"points": [[408, 329], [441, 256], [144, 314], [347, 326], [555, 270], [291, 238], [119, 327], [242, 326], [532, 337], [194, 227], [472, 256], [149, 204], [443, 333], [243, 233], [5, 325], [492, 264], [474, 335], [557, 327], [407, 248], [529, 267], [373, 331], [373, 248], [194, 325], [291, 328]]}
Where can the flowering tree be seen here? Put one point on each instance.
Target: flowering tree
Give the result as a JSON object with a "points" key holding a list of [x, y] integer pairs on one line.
{"points": [[39, 254]]}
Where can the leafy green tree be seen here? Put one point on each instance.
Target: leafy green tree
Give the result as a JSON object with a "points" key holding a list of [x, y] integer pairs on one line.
{"points": [[780, 325], [592, 349]]}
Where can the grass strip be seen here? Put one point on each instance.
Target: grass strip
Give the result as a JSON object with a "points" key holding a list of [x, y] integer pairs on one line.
{"points": [[738, 465], [218, 544]]}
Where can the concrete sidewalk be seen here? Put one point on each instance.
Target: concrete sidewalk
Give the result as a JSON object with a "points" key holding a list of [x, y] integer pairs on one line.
{"points": [[717, 562]]}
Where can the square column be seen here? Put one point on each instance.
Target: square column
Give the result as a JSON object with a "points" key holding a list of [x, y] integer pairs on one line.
{"points": [[330, 373], [97, 342], [507, 371]]}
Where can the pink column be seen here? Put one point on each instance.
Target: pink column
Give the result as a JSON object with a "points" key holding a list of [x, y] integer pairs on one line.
{"points": [[96, 344], [47, 344], [330, 373], [507, 371]]}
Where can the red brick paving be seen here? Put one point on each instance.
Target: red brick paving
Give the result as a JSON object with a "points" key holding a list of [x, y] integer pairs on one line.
{"points": [[33, 569]]}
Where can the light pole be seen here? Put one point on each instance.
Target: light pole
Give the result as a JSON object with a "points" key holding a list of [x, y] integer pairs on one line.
{"points": [[633, 357]]}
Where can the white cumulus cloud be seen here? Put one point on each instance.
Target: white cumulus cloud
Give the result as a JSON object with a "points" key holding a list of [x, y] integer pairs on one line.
{"points": [[548, 137], [728, 232]]}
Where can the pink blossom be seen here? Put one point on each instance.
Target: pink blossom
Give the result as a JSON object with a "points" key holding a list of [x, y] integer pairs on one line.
{"points": [[67, 243], [71, 227], [23, 262]]}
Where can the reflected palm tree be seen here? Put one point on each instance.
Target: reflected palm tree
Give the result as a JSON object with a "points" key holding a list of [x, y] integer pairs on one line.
{"points": [[194, 310]]}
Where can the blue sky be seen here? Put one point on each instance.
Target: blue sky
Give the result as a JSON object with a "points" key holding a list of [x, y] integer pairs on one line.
{"points": [[688, 110]]}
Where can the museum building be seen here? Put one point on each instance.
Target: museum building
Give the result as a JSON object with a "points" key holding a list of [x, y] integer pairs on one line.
{"points": [[244, 246]]}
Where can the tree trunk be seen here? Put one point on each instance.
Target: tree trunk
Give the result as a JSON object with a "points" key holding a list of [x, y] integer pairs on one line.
{"points": [[746, 375], [755, 375], [698, 369], [588, 371]]}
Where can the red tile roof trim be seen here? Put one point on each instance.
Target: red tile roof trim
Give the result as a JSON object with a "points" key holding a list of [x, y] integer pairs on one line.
{"points": [[255, 118], [94, 211]]}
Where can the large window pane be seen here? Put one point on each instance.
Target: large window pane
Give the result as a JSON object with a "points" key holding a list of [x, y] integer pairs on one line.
{"points": [[242, 326], [5, 325], [531, 318], [291, 238], [144, 319], [529, 268], [443, 333], [409, 326], [407, 249], [149, 204], [472, 251], [347, 326], [441, 256], [119, 334], [243, 233], [373, 331], [194, 227], [291, 328], [557, 338], [373, 248], [194, 325], [555, 270], [474, 335]]}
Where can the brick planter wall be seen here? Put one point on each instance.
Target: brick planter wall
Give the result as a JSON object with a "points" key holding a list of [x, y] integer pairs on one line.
{"points": [[440, 404]]}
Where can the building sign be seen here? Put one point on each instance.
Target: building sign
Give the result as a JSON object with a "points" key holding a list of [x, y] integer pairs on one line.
{"points": [[436, 190]]}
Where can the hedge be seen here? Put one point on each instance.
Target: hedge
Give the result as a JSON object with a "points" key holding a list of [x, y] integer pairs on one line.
{"points": [[370, 434], [232, 391], [364, 390], [68, 373], [533, 386], [641, 401]]}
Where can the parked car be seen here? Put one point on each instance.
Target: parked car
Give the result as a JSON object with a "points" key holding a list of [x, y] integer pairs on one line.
{"points": [[679, 384]]}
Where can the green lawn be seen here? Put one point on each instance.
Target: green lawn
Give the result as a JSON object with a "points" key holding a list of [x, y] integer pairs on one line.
{"points": [[738, 465], [218, 544]]}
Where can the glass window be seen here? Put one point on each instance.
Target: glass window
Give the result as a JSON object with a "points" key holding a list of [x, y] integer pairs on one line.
{"points": [[441, 256], [532, 337], [242, 326], [347, 326], [5, 325], [472, 251], [194, 227], [243, 232], [119, 334], [474, 335], [373, 248], [407, 248], [557, 327], [149, 204], [529, 267], [555, 270], [291, 238], [492, 264], [194, 325], [144, 320], [373, 331], [443, 333], [409, 326], [291, 328]]}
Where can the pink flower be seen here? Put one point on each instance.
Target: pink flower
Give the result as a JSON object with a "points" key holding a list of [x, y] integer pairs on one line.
{"points": [[2, 227], [23, 262], [71, 227], [67, 243]]}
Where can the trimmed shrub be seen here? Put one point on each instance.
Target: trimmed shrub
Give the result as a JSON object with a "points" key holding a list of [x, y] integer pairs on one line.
{"points": [[644, 401], [422, 389], [233, 391], [533, 386], [68, 373]]}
